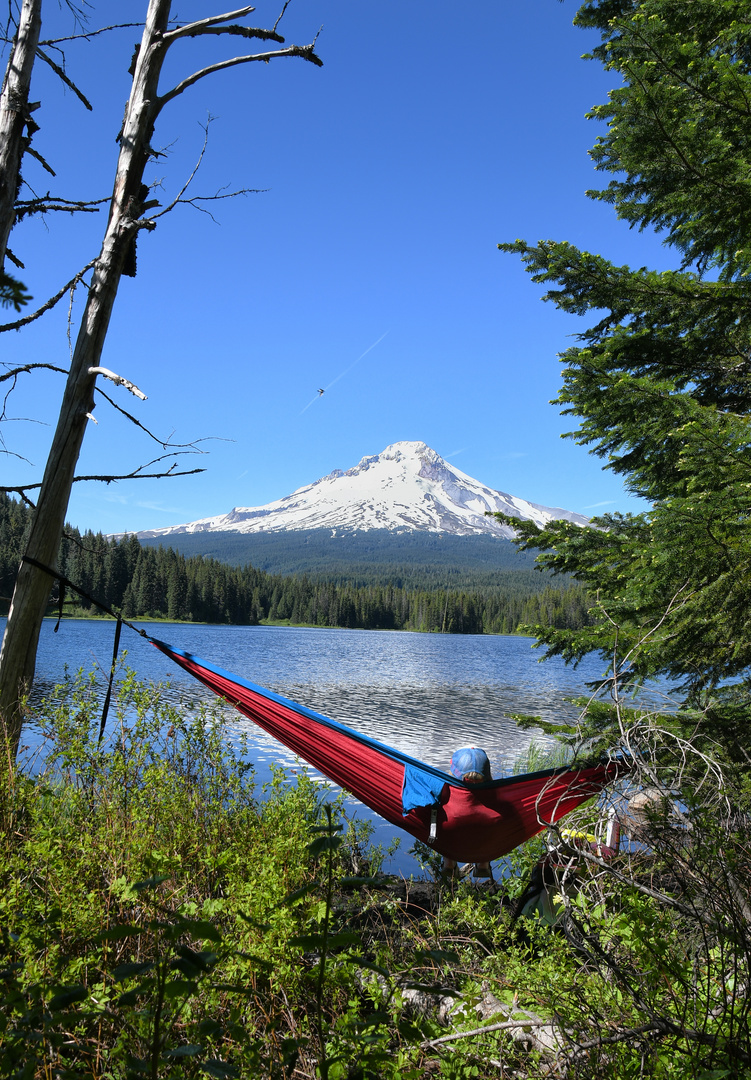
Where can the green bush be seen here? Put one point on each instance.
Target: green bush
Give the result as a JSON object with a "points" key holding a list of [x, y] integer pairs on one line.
{"points": [[159, 917]]}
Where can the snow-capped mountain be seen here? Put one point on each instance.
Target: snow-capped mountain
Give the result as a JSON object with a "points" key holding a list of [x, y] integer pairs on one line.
{"points": [[407, 487]]}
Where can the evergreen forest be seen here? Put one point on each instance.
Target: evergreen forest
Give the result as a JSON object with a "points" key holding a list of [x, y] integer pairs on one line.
{"points": [[160, 583]]}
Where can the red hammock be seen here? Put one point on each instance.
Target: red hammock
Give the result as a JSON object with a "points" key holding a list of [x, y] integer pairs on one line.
{"points": [[472, 823]]}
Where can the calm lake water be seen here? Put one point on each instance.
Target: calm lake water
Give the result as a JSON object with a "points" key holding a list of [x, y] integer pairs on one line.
{"points": [[425, 694]]}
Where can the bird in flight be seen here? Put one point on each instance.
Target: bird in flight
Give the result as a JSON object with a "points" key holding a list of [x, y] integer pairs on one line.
{"points": [[320, 392]]}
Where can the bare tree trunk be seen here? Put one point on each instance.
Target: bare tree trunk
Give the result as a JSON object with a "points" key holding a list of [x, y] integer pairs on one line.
{"points": [[31, 593], [14, 113], [18, 653]]}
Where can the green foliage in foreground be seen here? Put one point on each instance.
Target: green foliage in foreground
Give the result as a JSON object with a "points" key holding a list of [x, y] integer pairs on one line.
{"points": [[158, 919]]}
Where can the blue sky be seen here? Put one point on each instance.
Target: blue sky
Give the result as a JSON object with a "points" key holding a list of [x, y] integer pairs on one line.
{"points": [[432, 133]]}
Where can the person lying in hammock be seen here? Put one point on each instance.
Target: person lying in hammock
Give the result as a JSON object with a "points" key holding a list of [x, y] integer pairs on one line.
{"points": [[471, 765], [459, 817]]}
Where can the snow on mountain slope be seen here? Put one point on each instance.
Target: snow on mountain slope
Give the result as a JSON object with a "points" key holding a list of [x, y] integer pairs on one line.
{"points": [[406, 487]]}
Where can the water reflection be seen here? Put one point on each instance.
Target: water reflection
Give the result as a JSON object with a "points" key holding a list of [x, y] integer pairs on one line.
{"points": [[424, 694]]}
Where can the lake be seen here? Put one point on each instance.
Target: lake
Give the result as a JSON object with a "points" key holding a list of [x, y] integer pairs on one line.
{"points": [[424, 694]]}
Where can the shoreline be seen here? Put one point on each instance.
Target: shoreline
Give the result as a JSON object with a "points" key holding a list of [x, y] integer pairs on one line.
{"points": [[279, 623]]}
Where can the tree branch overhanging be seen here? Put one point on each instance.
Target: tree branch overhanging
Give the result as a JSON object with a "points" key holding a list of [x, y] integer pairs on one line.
{"points": [[18, 323], [42, 161], [149, 223], [107, 479], [44, 204], [68, 82], [18, 650], [306, 52], [164, 443], [118, 380], [85, 35], [210, 26], [139, 475], [24, 368]]}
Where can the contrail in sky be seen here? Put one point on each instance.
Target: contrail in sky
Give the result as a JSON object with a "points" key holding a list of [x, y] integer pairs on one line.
{"points": [[346, 370]]}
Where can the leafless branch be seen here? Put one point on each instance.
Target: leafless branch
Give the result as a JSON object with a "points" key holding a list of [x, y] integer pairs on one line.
{"points": [[77, 542], [45, 165], [118, 380], [47, 203], [16, 262], [306, 52], [233, 31], [90, 33], [13, 374], [620, 1036], [141, 476], [12, 453], [195, 169], [209, 26], [281, 14], [61, 75], [154, 461], [136, 475], [164, 443], [194, 200], [50, 303], [22, 496], [29, 367], [502, 1026]]}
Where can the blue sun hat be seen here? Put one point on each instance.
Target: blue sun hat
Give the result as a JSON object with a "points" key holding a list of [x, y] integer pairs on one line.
{"points": [[470, 759]]}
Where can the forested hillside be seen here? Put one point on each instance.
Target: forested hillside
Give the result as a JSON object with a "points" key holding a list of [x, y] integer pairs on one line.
{"points": [[412, 560], [162, 583]]}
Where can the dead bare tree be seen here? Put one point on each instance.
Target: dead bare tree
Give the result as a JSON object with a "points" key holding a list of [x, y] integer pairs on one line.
{"points": [[15, 115], [126, 219]]}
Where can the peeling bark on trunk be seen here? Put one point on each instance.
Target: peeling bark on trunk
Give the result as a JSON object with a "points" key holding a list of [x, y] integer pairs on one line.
{"points": [[31, 593], [14, 113]]}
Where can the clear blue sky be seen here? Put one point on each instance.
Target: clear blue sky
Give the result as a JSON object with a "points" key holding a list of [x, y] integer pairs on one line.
{"points": [[432, 132]]}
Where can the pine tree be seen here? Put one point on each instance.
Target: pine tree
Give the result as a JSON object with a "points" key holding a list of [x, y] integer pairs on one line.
{"points": [[661, 380]]}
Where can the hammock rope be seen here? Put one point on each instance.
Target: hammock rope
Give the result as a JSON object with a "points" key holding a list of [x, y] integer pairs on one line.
{"points": [[64, 583]]}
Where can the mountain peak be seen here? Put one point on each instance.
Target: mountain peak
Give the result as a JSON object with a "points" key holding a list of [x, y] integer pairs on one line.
{"points": [[407, 487]]}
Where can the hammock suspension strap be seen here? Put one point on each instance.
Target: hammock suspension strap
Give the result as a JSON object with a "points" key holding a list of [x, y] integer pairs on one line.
{"points": [[63, 583]]}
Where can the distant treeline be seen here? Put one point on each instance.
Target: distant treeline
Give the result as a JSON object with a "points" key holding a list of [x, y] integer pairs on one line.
{"points": [[409, 560], [161, 583]]}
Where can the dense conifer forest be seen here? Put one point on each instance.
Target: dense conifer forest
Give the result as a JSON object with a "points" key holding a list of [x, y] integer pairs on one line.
{"points": [[158, 582], [410, 560]]}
